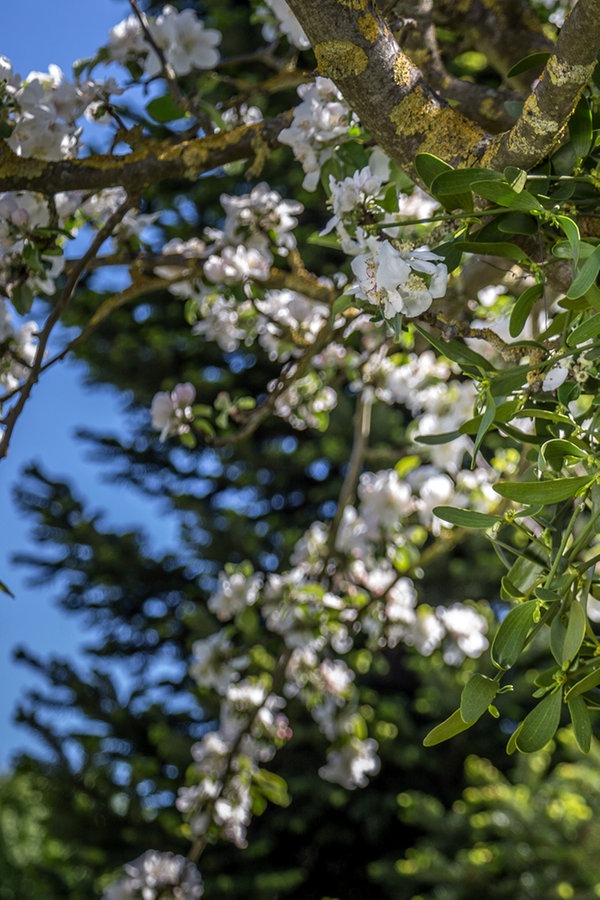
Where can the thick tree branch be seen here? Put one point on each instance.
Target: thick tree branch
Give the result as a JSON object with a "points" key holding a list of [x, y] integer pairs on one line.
{"points": [[481, 103], [549, 106], [149, 162], [355, 47]]}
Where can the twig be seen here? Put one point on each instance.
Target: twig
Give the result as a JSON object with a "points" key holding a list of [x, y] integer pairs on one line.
{"points": [[61, 304]]}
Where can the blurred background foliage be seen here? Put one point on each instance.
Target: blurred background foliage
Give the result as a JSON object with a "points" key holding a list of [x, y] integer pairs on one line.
{"points": [[444, 823]]}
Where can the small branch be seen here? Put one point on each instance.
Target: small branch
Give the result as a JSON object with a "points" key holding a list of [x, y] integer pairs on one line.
{"points": [[61, 304]]}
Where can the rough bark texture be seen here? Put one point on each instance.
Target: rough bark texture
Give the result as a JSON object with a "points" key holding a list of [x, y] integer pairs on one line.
{"points": [[150, 161], [355, 47], [551, 103]]}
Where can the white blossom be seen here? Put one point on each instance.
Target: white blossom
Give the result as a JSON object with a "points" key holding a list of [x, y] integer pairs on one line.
{"points": [[282, 19], [394, 279], [352, 765], [181, 36], [235, 593], [321, 121], [157, 876], [467, 629], [172, 412]]}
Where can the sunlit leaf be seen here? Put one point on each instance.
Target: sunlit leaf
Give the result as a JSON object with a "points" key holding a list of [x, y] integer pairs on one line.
{"points": [[543, 491], [466, 518], [512, 634], [447, 729], [540, 725], [476, 696], [582, 725]]}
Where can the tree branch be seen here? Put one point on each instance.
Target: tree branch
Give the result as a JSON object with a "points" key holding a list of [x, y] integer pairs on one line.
{"points": [[151, 161], [552, 101], [355, 47]]}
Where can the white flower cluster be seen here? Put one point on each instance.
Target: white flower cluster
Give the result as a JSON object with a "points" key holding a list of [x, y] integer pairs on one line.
{"points": [[172, 412], [17, 349], [181, 36], [438, 403], [43, 110], [258, 225], [353, 764], [227, 761], [321, 122], [400, 282], [29, 256], [157, 876], [279, 19]]}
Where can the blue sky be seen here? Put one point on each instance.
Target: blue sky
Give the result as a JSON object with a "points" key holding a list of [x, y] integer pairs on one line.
{"points": [[34, 34]]}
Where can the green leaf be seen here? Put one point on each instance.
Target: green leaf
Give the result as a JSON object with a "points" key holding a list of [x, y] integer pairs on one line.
{"points": [[586, 276], [575, 633], [511, 637], [516, 178], [495, 248], [273, 786], [522, 308], [554, 453], [534, 412], [429, 167], [503, 195], [447, 729], [451, 254], [458, 180], [517, 223], [487, 420], [21, 297], [434, 439], [543, 491], [457, 352], [164, 109], [580, 128], [558, 633], [476, 696], [341, 304], [589, 328], [466, 518], [540, 725], [512, 742], [587, 683], [582, 725], [531, 61], [571, 230], [524, 573]]}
